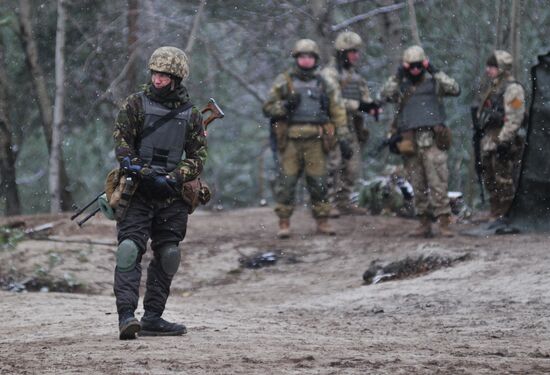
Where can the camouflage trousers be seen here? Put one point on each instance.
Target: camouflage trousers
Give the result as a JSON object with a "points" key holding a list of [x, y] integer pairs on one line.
{"points": [[498, 178], [343, 174], [302, 156], [428, 174]]}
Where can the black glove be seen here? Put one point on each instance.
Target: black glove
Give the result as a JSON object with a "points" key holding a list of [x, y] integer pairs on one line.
{"points": [[158, 186], [431, 69], [367, 107], [503, 150], [400, 74], [293, 101], [130, 169], [346, 150]]}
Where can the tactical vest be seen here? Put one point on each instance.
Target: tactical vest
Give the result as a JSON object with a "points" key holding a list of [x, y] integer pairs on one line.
{"points": [[350, 83], [310, 110], [421, 107], [163, 149], [492, 111]]}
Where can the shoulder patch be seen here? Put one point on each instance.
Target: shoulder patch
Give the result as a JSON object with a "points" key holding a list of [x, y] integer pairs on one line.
{"points": [[516, 103]]}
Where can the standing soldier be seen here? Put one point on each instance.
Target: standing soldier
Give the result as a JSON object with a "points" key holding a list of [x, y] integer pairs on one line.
{"points": [[310, 117], [160, 143], [343, 173], [418, 89], [500, 116]]}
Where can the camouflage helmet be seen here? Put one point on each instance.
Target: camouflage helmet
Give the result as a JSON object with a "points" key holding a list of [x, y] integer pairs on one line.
{"points": [[306, 46], [170, 60], [414, 54], [347, 40], [504, 60]]}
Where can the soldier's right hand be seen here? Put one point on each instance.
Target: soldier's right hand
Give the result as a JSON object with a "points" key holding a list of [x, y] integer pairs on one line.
{"points": [[293, 101], [159, 186]]}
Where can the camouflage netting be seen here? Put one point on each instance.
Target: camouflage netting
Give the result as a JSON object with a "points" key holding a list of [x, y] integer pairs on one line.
{"points": [[530, 210]]}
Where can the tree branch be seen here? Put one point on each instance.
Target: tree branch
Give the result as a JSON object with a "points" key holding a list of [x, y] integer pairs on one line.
{"points": [[369, 14], [195, 28], [223, 66]]}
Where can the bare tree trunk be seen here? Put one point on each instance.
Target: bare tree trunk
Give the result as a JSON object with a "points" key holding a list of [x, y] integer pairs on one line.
{"points": [[44, 102], [414, 25], [515, 35], [499, 25], [132, 19], [195, 28], [8, 155], [391, 31], [55, 152], [322, 15]]}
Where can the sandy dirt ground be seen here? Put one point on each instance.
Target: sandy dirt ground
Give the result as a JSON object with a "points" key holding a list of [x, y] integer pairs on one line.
{"points": [[308, 314]]}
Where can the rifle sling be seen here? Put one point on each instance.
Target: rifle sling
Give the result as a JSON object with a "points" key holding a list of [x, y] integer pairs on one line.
{"points": [[164, 119]]}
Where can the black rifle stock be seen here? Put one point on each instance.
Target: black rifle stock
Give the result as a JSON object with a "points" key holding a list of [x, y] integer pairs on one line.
{"points": [[476, 139], [81, 210]]}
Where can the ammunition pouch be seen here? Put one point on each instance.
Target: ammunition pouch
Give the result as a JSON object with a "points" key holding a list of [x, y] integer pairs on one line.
{"points": [[114, 186], [407, 144], [360, 129], [442, 137], [328, 137], [195, 192], [280, 128]]}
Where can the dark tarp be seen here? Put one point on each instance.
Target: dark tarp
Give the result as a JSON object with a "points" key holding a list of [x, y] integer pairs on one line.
{"points": [[530, 210]]}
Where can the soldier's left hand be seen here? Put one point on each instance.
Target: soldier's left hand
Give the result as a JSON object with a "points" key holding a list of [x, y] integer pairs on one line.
{"points": [[430, 68], [345, 149], [503, 150]]}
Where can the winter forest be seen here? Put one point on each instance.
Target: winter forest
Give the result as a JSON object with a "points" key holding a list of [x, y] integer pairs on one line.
{"points": [[66, 65]]}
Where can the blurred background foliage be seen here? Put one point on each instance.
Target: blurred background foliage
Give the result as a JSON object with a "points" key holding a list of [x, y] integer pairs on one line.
{"points": [[238, 49]]}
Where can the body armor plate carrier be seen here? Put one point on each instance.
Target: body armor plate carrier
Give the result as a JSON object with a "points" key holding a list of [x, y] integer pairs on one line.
{"points": [[311, 109], [423, 108], [163, 149]]}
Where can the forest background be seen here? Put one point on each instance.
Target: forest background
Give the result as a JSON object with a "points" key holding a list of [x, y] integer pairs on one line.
{"points": [[66, 65]]}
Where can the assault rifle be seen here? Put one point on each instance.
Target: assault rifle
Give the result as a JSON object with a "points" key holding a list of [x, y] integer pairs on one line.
{"points": [[131, 175], [476, 140]]}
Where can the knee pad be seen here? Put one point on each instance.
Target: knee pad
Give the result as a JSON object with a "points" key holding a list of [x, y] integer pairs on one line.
{"points": [[126, 255], [170, 257]]}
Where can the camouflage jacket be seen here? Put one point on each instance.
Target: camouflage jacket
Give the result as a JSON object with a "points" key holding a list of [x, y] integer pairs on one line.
{"points": [[129, 127], [512, 96], [445, 86], [274, 106]]}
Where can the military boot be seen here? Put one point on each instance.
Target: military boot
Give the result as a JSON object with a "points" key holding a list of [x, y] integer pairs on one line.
{"points": [[424, 230], [128, 326], [444, 221], [154, 325], [284, 228], [323, 227]]}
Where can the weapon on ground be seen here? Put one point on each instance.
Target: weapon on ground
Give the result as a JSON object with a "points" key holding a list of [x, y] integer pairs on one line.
{"points": [[476, 139], [81, 210]]}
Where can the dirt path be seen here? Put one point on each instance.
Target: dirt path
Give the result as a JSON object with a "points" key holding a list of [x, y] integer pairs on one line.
{"points": [[308, 314]]}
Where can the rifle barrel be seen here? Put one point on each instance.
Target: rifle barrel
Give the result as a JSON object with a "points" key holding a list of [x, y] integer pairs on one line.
{"points": [[79, 212], [88, 217]]}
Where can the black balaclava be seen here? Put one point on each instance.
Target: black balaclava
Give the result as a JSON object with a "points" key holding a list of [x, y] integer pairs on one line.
{"points": [[306, 73], [168, 93], [342, 59], [413, 78]]}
